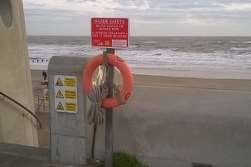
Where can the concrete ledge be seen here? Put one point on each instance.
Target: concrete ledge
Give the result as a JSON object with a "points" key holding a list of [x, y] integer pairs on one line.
{"points": [[35, 153]]}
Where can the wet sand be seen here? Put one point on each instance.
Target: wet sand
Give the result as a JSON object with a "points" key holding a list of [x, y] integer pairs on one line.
{"points": [[171, 81]]}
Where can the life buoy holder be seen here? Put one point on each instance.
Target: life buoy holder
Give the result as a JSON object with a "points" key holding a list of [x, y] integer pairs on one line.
{"points": [[125, 71]]}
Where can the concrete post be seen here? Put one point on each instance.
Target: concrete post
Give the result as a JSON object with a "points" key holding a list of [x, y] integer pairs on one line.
{"points": [[67, 105]]}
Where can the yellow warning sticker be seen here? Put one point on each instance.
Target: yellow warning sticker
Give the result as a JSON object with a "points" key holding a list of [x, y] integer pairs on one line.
{"points": [[46, 98], [66, 95], [71, 106], [59, 94], [70, 94], [60, 106], [59, 82], [70, 81]]}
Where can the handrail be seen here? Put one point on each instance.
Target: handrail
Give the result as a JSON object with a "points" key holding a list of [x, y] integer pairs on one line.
{"points": [[22, 106]]}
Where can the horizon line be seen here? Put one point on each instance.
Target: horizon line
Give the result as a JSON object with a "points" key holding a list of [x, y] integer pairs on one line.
{"points": [[54, 35]]}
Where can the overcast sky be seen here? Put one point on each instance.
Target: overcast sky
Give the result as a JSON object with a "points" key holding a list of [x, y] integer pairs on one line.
{"points": [[147, 17]]}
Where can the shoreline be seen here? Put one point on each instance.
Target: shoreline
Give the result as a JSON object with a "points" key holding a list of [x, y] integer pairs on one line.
{"points": [[160, 72], [174, 81]]}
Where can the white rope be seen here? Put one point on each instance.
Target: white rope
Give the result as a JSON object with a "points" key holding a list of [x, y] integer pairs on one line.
{"points": [[99, 92], [101, 74], [96, 112]]}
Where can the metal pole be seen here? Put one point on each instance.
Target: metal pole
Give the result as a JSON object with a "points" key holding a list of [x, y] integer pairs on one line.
{"points": [[109, 114]]}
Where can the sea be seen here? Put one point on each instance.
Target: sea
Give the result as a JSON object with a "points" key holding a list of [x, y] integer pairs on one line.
{"points": [[203, 57]]}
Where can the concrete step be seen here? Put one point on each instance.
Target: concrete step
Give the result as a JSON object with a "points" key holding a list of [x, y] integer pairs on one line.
{"points": [[12, 155], [17, 161], [35, 153]]}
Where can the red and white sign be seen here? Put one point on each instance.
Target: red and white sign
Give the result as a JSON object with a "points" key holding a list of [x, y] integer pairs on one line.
{"points": [[110, 32]]}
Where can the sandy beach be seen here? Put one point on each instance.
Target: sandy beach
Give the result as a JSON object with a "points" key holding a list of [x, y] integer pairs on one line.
{"points": [[179, 113]]}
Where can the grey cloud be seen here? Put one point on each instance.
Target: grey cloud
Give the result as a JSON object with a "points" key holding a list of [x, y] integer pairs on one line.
{"points": [[168, 13]]}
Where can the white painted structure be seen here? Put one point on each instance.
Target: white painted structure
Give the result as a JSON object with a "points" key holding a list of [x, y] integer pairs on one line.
{"points": [[15, 76]]}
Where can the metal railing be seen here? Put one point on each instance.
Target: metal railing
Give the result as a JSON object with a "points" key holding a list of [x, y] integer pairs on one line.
{"points": [[41, 99], [28, 111]]}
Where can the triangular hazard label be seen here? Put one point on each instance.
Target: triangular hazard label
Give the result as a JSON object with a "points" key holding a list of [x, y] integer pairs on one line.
{"points": [[59, 82], [59, 94], [60, 106]]}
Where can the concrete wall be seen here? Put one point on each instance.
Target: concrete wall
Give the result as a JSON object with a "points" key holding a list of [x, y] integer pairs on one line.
{"points": [[177, 121], [14, 75]]}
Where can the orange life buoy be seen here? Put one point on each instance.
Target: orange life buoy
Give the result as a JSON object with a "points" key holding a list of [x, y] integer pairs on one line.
{"points": [[127, 78]]}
